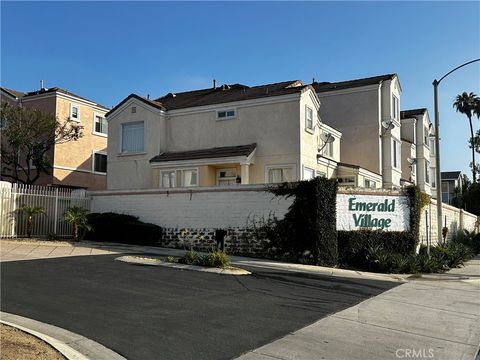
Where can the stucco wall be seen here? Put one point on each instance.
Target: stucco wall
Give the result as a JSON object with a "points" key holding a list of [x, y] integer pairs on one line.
{"points": [[356, 115]]}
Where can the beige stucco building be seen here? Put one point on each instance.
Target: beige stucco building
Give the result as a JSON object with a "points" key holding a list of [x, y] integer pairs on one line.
{"points": [[367, 113], [417, 132], [76, 164], [221, 136]]}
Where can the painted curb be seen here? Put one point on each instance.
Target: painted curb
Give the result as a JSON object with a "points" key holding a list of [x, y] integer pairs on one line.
{"points": [[71, 345], [156, 262]]}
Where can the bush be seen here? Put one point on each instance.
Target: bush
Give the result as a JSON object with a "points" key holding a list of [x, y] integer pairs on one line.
{"points": [[214, 259], [309, 227], [468, 239], [353, 246], [122, 229]]}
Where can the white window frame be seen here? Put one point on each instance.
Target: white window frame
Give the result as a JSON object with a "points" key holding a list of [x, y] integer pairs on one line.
{"points": [[160, 182], [433, 183], [306, 168], [93, 162], [95, 115], [293, 167], [72, 105], [426, 136], [396, 153], [227, 178], [179, 177], [427, 171], [226, 111], [121, 138], [347, 183], [432, 146], [372, 182], [320, 174], [308, 110], [395, 106]]}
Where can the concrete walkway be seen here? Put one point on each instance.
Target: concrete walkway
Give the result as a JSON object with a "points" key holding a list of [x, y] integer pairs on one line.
{"points": [[436, 319]]}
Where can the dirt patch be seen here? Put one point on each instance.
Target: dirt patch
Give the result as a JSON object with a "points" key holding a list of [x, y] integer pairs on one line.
{"points": [[17, 345]]}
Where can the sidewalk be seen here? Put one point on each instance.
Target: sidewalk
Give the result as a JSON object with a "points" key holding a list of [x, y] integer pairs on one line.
{"points": [[15, 250], [436, 319]]}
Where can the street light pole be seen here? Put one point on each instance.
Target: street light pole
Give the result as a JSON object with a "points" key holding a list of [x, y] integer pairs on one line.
{"points": [[438, 179]]}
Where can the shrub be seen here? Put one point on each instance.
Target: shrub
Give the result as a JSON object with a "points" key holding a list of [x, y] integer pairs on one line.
{"points": [[468, 239], [123, 229], [214, 259]]}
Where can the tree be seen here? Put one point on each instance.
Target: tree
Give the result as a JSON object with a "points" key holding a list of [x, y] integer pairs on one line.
{"points": [[469, 104], [77, 216], [30, 212], [27, 138]]}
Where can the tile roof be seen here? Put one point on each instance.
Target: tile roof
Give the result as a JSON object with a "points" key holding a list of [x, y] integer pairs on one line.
{"points": [[450, 175], [329, 86], [217, 152], [14, 93], [153, 103], [20, 94], [406, 114], [228, 93]]}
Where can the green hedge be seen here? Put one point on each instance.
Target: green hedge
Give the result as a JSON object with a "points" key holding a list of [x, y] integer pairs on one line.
{"points": [[122, 228], [308, 230]]}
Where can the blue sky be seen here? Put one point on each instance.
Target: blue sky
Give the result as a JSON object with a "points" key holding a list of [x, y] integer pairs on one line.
{"points": [[107, 50]]}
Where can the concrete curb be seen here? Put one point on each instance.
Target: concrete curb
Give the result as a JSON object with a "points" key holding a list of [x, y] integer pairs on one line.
{"points": [[157, 262], [72, 346]]}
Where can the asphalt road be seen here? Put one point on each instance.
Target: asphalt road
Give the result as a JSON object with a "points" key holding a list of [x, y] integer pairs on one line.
{"points": [[145, 312]]}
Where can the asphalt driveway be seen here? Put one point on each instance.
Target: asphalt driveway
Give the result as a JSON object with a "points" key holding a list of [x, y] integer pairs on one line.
{"points": [[147, 312]]}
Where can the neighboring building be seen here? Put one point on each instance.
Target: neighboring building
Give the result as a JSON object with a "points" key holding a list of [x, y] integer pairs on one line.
{"points": [[417, 132], [367, 113], [451, 185], [76, 164], [220, 136]]}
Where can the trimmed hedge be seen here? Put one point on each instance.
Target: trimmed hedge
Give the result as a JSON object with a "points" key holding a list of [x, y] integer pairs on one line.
{"points": [[122, 228]]}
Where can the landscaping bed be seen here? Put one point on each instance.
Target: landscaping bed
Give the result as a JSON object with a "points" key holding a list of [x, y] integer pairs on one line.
{"points": [[17, 344]]}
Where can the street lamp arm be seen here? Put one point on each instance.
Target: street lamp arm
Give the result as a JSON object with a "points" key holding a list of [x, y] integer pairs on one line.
{"points": [[451, 71]]}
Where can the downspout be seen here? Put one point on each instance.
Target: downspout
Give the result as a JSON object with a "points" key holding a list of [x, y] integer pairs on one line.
{"points": [[380, 153]]}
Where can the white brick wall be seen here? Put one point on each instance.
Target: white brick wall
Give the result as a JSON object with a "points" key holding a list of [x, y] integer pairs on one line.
{"points": [[195, 208], [456, 219]]}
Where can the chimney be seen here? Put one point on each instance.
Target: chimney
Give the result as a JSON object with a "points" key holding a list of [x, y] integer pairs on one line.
{"points": [[41, 85], [214, 84]]}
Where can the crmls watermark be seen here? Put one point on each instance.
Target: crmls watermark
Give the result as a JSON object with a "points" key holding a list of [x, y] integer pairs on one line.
{"points": [[414, 354]]}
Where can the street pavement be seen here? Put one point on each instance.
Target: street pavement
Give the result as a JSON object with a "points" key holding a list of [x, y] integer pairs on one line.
{"points": [[146, 312]]}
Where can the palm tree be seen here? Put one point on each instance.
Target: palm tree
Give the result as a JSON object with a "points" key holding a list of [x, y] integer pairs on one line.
{"points": [[77, 216], [30, 212], [469, 104]]}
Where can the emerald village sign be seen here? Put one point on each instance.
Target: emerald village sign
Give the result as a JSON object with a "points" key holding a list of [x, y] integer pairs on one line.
{"points": [[372, 212]]}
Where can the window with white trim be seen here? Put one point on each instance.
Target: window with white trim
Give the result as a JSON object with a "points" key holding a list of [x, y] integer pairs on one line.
{"points": [[226, 177], [346, 181], [99, 162], [321, 174], [395, 107], [189, 177], [425, 136], [396, 153], [432, 176], [308, 173], [370, 184], [168, 179], [132, 137], [226, 114], [279, 174], [432, 146], [100, 125], [427, 171], [74, 112], [308, 118]]}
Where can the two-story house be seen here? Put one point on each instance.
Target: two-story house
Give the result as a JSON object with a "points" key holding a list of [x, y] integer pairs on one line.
{"points": [[75, 164], [452, 183], [418, 131], [230, 134], [367, 113]]}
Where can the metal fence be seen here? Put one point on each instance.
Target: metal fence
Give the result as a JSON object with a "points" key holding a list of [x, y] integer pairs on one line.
{"points": [[53, 201]]}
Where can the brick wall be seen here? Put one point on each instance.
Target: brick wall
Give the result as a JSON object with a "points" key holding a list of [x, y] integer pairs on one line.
{"points": [[454, 219]]}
